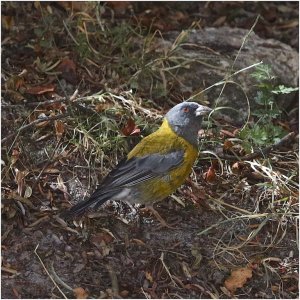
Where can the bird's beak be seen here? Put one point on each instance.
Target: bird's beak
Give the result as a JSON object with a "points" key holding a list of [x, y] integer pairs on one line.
{"points": [[202, 110]]}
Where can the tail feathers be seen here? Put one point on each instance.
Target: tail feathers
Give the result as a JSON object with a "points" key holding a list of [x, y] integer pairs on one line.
{"points": [[80, 208]]}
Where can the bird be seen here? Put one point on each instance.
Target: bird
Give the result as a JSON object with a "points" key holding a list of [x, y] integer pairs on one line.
{"points": [[155, 167]]}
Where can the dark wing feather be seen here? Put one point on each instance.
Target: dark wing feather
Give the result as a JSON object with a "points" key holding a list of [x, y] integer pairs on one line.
{"points": [[128, 173], [138, 169]]}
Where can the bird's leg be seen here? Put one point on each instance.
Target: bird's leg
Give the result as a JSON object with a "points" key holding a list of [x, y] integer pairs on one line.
{"points": [[158, 216]]}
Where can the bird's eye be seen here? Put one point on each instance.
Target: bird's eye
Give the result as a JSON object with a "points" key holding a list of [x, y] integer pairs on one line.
{"points": [[186, 109]]}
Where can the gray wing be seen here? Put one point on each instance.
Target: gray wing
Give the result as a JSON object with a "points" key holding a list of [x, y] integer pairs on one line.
{"points": [[126, 174], [139, 169]]}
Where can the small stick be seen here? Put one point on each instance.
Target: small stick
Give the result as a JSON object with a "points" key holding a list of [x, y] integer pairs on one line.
{"points": [[35, 251], [259, 153], [163, 263], [58, 279], [61, 116], [114, 281]]}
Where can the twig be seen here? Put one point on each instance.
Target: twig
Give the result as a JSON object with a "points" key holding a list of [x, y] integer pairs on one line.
{"points": [[114, 280], [244, 40], [61, 116], [220, 202], [58, 279], [227, 78], [42, 219], [37, 103], [262, 152], [216, 225], [167, 270], [35, 252]]}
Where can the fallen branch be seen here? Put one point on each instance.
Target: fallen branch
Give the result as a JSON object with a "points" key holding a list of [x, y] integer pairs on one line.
{"points": [[261, 152], [35, 104], [25, 127]]}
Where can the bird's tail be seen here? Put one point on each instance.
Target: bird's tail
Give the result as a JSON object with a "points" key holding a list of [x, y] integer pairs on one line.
{"points": [[90, 204]]}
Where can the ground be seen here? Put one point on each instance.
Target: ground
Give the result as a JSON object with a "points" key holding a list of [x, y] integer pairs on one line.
{"points": [[235, 229]]}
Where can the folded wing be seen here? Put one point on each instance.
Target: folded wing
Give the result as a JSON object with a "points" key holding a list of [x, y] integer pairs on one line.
{"points": [[127, 174]]}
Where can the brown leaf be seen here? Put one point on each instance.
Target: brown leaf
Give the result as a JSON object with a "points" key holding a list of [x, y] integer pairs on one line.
{"points": [[61, 185], [148, 276], [119, 7], [8, 22], [55, 106], [15, 156], [237, 167], [77, 6], [42, 124], [16, 293], [39, 90], [228, 133], [80, 293], [238, 278], [68, 70], [227, 145], [124, 294], [220, 21], [51, 171], [59, 128], [14, 83], [100, 237], [103, 106], [130, 128], [28, 192], [15, 97], [210, 175], [290, 24], [20, 180]]}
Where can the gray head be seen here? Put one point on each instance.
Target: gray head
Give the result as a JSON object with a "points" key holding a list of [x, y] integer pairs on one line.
{"points": [[186, 118]]}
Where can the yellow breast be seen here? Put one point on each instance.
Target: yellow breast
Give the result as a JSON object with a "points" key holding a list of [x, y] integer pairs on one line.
{"points": [[165, 140]]}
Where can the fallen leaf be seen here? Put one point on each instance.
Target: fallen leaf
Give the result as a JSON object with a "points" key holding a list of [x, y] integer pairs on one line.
{"points": [[15, 97], [51, 171], [28, 192], [80, 293], [228, 133], [61, 185], [238, 278], [59, 129], [68, 70], [42, 124], [237, 168], [103, 106], [290, 24], [227, 145], [39, 90], [15, 156], [77, 6], [149, 276], [138, 242], [8, 22], [20, 180], [220, 21], [101, 236], [9, 270], [130, 128], [14, 83], [210, 175], [124, 294], [16, 293], [119, 7], [186, 271]]}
